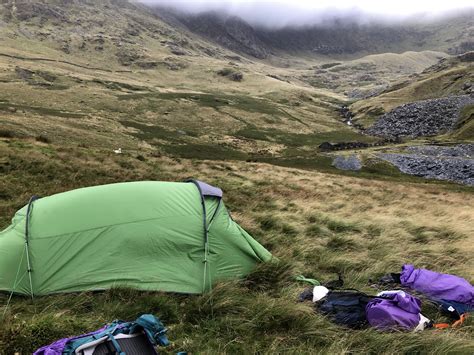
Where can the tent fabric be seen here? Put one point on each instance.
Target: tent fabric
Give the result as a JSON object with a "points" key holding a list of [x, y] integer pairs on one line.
{"points": [[208, 190], [145, 235]]}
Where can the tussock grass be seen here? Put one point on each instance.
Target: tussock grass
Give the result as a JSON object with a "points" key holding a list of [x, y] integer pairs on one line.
{"points": [[6, 133], [338, 243], [334, 225], [316, 224], [315, 230]]}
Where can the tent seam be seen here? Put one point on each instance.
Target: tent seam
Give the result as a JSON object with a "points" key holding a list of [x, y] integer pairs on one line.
{"points": [[206, 234]]}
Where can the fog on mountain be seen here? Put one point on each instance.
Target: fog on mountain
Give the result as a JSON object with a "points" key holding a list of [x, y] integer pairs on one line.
{"points": [[277, 14]]}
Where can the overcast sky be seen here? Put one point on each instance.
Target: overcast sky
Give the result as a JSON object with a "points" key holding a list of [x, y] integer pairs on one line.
{"points": [[291, 12]]}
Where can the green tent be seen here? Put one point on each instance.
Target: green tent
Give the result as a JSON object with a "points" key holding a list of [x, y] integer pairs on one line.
{"points": [[166, 236]]}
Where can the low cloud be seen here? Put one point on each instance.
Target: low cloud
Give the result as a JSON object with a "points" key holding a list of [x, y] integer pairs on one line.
{"points": [[310, 12]]}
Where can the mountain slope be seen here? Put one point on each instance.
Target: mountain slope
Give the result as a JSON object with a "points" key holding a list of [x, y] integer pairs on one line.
{"points": [[452, 76], [121, 76], [112, 32], [116, 75], [369, 75], [230, 32], [343, 37]]}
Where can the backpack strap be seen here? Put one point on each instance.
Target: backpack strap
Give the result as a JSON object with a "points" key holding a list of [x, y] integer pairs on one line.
{"points": [[153, 328], [349, 290], [115, 343], [114, 328]]}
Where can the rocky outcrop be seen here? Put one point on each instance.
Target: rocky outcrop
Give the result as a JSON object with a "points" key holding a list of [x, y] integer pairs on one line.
{"points": [[467, 57], [35, 78], [25, 10], [230, 32], [421, 118], [231, 74], [462, 48], [454, 163], [460, 150]]}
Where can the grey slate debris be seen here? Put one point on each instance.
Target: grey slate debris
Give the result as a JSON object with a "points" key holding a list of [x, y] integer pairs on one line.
{"points": [[421, 118], [460, 150], [454, 163], [351, 162]]}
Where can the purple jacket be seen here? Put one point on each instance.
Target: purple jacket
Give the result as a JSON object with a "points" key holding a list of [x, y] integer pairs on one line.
{"points": [[57, 347], [394, 311], [438, 286]]}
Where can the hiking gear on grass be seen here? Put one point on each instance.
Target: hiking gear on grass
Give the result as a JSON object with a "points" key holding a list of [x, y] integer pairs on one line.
{"points": [[423, 324], [438, 286], [390, 292], [153, 329], [121, 344], [160, 236], [454, 309], [319, 292], [58, 346], [345, 308], [394, 310], [137, 337], [314, 294], [456, 324]]}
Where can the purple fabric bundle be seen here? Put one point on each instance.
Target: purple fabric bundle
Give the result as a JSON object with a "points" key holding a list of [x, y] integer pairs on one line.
{"points": [[57, 347], [438, 286], [397, 310]]}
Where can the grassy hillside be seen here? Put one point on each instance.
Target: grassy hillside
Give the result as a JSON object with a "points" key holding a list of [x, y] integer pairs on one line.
{"points": [[315, 223], [465, 130], [62, 83], [371, 74], [450, 77], [172, 100]]}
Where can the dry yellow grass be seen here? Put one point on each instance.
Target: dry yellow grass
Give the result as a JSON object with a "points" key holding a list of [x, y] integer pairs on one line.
{"points": [[441, 218], [316, 223]]}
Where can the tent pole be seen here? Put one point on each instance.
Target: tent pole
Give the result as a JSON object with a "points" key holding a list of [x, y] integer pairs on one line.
{"points": [[205, 269], [29, 269], [27, 244], [204, 222], [206, 226]]}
